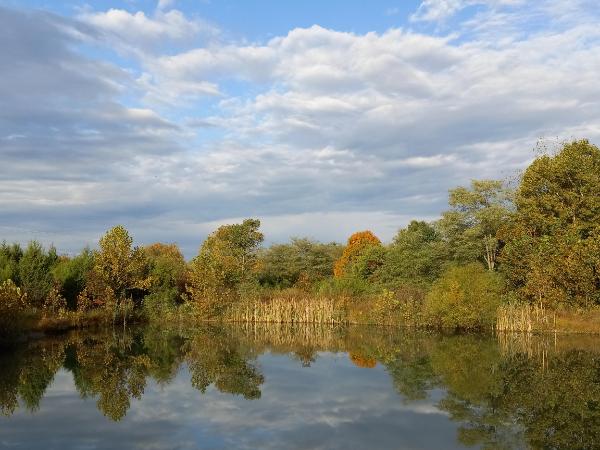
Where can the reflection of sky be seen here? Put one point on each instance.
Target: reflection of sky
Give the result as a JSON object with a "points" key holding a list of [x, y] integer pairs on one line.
{"points": [[331, 404]]}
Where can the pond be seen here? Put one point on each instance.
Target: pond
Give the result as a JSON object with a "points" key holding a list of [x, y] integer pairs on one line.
{"points": [[252, 386]]}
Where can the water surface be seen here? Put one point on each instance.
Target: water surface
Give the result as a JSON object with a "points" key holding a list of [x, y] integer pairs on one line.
{"points": [[303, 387]]}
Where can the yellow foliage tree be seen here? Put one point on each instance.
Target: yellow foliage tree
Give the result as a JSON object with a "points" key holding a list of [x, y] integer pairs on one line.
{"points": [[227, 258], [358, 243], [118, 270]]}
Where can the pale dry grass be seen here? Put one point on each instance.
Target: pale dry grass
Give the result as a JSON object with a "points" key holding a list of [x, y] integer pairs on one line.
{"points": [[288, 309], [535, 318], [525, 318]]}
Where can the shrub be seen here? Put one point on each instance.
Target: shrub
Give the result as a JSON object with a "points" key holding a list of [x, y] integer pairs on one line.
{"points": [[465, 297], [54, 304], [403, 305]]}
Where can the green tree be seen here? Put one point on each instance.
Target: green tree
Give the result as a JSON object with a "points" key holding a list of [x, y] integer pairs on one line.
{"points": [[35, 272], [119, 264], [368, 264], [166, 266], [118, 274], [470, 227], [71, 273], [9, 262], [552, 242], [300, 261], [226, 259], [416, 256], [13, 305], [166, 269]]}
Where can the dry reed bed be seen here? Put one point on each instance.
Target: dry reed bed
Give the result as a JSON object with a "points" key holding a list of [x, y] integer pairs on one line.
{"points": [[284, 309], [525, 318]]}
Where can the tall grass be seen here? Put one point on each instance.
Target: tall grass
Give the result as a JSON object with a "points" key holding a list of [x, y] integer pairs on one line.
{"points": [[288, 307], [524, 318]]}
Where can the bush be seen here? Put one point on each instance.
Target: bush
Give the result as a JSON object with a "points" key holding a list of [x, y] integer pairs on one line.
{"points": [[465, 297], [403, 305]]}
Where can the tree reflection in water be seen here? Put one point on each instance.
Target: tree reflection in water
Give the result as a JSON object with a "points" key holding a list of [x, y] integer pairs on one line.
{"points": [[505, 392]]}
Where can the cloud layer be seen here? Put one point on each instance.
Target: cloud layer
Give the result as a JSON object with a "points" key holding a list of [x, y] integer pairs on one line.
{"points": [[159, 122]]}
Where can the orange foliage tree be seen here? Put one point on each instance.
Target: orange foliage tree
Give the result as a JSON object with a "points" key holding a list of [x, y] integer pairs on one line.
{"points": [[357, 244]]}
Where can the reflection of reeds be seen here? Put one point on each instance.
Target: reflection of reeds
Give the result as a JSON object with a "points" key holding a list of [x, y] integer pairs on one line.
{"points": [[524, 318], [288, 309], [535, 347]]}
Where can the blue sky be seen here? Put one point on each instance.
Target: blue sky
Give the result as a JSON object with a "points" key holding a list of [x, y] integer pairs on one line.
{"points": [[320, 118], [260, 19]]}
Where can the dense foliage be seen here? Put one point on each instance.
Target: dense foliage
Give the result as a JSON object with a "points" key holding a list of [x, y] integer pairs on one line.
{"points": [[227, 260], [536, 244], [553, 240], [358, 245]]}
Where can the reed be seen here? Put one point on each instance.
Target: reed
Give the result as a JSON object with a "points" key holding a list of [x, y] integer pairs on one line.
{"points": [[288, 308], [525, 318]]}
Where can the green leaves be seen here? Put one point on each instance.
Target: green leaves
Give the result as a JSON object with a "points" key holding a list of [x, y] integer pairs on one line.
{"points": [[302, 261], [551, 254], [226, 259], [415, 257], [35, 272], [119, 265], [464, 298], [470, 227]]}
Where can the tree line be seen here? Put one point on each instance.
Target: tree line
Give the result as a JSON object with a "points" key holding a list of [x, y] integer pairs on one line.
{"points": [[536, 241]]}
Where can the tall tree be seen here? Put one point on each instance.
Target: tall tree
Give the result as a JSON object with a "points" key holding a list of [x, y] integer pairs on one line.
{"points": [[416, 256], [226, 259], [9, 261], [552, 243], [300, 261], [120, 266], [35, 274], [471, 225], [357, 245], [70, 275], [166, 267]]}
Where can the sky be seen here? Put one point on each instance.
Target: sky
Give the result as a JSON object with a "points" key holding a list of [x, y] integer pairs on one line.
{"points": [[321, 118]]}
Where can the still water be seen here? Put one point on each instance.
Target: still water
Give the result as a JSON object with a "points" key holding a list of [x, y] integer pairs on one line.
{"points": [[265, 387]]}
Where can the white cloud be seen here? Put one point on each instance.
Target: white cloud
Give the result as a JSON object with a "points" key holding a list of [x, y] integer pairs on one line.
{"points": [[316, 129], [142, 34]]}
